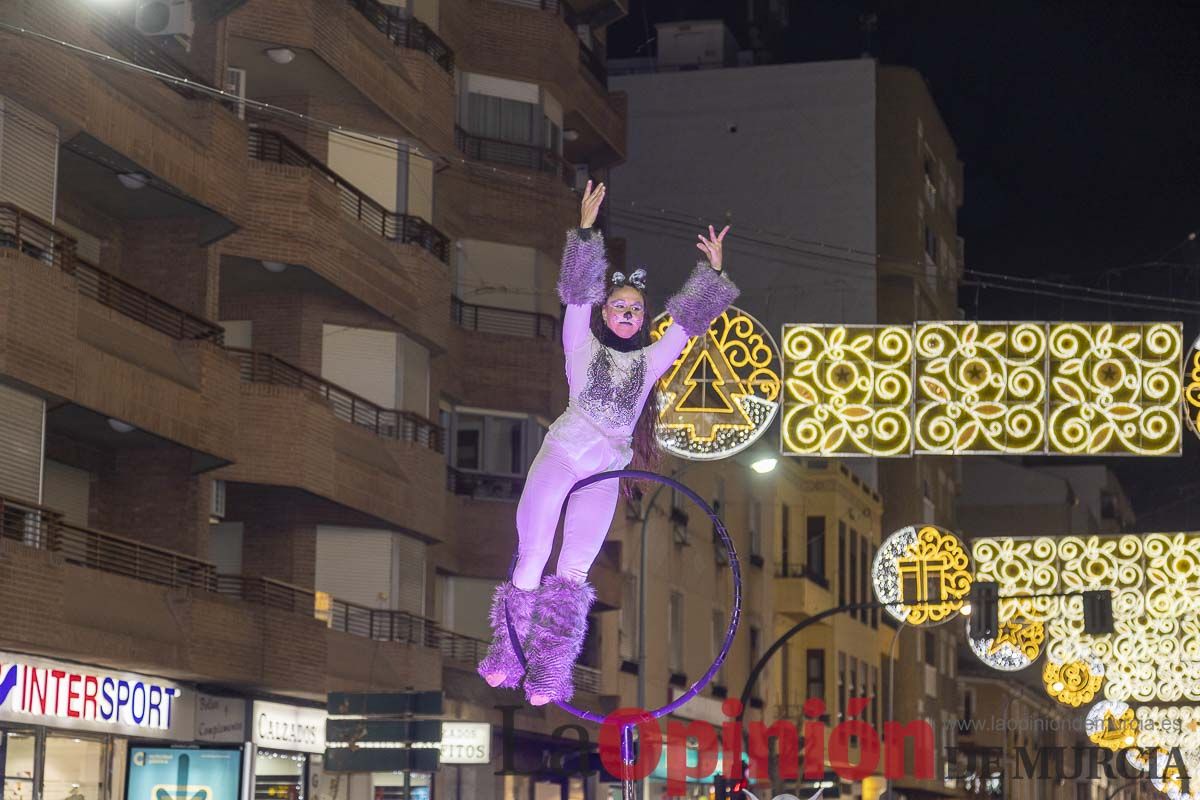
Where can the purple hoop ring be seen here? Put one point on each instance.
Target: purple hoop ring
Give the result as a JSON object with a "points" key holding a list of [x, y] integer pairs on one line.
{"points": [[734, 616]]}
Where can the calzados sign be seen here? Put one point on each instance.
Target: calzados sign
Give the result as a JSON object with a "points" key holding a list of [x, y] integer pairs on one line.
{"points": [[87, 698]]}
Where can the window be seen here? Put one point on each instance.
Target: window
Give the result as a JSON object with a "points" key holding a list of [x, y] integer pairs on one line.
{"points": [[73, 767], [675, 632], [627, 637], [841, 563], [785, 536], [853, 565], [754, 508], [930, 648], [19, 749], [814, 673], [863, 584], [874, 611], [494, 444], [841, 700], [852, 678], [503, 119], [720, 621], [755, 647], [968, 705], [874, 695], [815, 546]]}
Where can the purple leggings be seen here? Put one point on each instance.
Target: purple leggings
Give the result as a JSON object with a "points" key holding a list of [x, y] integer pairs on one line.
{"points": [[573, 449]]}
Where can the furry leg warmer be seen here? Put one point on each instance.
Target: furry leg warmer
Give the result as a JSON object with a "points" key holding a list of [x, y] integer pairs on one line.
{"points": [[501, 667], [556, 638]]}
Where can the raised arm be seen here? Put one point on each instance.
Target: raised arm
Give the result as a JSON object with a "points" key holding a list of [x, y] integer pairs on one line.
{"points": [[581, 279], [702, 298]]}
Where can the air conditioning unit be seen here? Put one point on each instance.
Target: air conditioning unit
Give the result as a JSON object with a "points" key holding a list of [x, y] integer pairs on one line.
{"points": [[217, 510], [165, 18]]}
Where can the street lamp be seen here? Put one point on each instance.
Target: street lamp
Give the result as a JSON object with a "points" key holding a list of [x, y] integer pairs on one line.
{"points": [[762, 465]]}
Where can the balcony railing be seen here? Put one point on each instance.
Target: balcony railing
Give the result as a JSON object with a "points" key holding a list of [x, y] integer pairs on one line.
{"points": [[40, 240], [404, 31], [593, 63], [503, 321], [514, 154], [481, 486], [135, 47], [45, 529], [404, 426], [274, 147], [800, 571]]}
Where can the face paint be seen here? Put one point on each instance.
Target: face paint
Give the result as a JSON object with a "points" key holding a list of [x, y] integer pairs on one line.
{"points": [[625, 312]]}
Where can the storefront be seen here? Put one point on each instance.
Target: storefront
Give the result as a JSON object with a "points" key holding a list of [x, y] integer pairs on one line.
{"points": [[289, 743], [65, 728]]}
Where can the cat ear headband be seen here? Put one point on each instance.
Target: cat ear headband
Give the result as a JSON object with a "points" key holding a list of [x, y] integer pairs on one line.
{"points": [[636, 279]]}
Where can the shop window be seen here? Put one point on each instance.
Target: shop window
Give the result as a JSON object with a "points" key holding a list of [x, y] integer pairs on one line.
{"points": [[19, 749], [73, 769], [279, 776]]}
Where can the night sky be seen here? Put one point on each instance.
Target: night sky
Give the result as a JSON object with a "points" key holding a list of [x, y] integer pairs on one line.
{"points": [[1078, 128]]}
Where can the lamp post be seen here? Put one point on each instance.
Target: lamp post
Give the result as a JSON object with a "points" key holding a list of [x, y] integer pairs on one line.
{"points": [[762, 465]]}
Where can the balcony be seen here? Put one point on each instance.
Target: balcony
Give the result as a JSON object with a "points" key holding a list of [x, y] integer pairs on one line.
{"points": [[99, 597], [38, 239], [45, 529], [481, 486], [514, 154], [351, 57], [492, 38], [799, 591], [403, 426], [502, 321], [275, 148], [405, 31]]}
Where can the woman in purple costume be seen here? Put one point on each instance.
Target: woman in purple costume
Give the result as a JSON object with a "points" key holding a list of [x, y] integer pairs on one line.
{"points": [[611, 372]]}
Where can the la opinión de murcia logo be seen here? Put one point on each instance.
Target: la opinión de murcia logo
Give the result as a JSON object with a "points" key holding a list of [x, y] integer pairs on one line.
{"points": [[697, 750]]}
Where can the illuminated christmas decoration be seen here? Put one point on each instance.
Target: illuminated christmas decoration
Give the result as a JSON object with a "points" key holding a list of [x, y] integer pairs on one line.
{"points": [[1074, 682], [927, 566], [1115, 388], [722, 393], [1168, 775], [981, 388], [1168, 727], [1112, 725], [1153, 654], [1191, 389], [1017, 644], [847, 391]]}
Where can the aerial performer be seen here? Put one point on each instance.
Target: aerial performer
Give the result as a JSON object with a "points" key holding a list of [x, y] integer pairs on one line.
{"points": [[612, 369]]}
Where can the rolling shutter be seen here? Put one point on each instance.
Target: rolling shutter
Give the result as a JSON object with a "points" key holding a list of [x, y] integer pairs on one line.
{"points": [[68, 490], [355, 565], [22, 418], [409, 559], [28, 160], [361, 360]]}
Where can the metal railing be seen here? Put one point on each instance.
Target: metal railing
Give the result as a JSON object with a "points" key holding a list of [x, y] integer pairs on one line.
{"points": [[504, 321], [480, 486], [46, 529], [404, 426], [274, 147], [593, 63], [135, 47], [407, 32], [792, 570], [515, 154], [40, 240]]}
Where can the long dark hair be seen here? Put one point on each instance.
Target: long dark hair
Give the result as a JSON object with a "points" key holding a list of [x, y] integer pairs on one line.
{"points": [[647, 455]]}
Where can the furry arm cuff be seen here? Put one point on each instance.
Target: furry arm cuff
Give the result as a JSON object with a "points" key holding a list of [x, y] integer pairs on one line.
{"points": [[706, 294], [581, 280]]}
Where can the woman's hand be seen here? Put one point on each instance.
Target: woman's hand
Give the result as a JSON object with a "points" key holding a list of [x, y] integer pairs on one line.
{"points": [[711, 247], [592, 198]]}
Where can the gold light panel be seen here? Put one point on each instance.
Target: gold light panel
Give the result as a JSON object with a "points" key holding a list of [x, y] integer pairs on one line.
{"points": [[847, 390], [927, 565], [1114, 388], [990, 388], [722, 392], [980, 388]]}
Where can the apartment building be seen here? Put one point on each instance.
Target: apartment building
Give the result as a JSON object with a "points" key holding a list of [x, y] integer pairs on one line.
{"points": [[842, 184], [273, 366]]}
